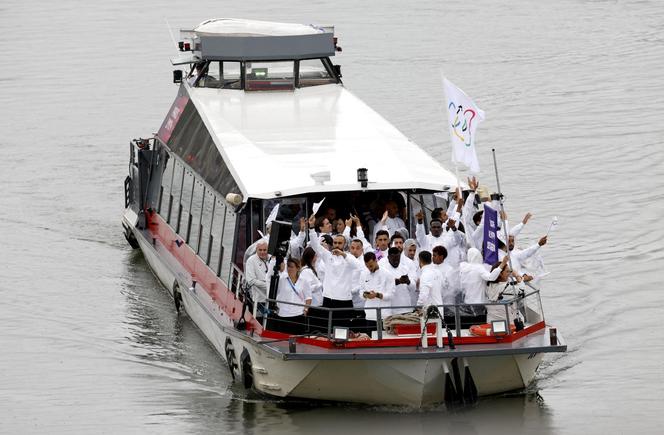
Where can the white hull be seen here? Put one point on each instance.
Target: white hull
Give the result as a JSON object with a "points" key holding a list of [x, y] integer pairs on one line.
{"points": [[413, 382]]}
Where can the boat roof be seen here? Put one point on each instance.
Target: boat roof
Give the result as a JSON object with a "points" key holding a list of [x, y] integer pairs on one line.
{"points": [[236, 39], [284, 143], [252, 28]]}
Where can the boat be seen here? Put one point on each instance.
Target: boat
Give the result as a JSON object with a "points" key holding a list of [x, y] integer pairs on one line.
{"points": [[261, 117]]}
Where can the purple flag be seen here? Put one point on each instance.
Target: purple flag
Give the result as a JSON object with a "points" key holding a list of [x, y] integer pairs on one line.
{"points": [[490, 243]]}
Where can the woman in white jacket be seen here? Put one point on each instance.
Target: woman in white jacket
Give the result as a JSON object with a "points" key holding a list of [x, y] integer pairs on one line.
{"points": [[293, 299]]}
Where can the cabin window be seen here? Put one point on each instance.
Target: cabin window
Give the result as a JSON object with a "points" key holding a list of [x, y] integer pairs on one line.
{"points": [[166, 186], [217, 227], [174, 206], [231, 74], [195, 213], [205, 230], [426, 202], [210, 77], [227, 244], [269, 76], [185, 202], [313, 72]]}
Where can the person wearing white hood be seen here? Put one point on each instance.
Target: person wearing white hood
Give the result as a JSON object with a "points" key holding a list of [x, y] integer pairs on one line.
{"points": [[474, 276]]}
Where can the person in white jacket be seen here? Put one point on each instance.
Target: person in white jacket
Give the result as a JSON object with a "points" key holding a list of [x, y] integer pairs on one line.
{"points": [[404, 281], [377, 289], [429, 283], [337, 283], [452, 239], [254, 274], [474, 276]]}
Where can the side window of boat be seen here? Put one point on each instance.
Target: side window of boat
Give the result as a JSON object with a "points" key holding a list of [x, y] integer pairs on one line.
{"points": [[270, 76], [227, 244], [425, 202], [312, 72], [212, 77], [172, 213], [166, 182], [217, 227], [205, 229], [231, 75], [185, 201], [196, 215]]}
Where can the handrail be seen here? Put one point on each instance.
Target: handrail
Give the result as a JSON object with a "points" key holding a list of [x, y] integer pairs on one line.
{"points": [[455, 308]]}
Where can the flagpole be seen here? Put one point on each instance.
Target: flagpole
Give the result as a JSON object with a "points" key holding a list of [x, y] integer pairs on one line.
{"points": [[465, 227], [502, 209]]}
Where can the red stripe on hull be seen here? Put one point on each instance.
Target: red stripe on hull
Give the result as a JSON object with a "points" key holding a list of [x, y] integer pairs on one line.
{"points": [[200, 272]]}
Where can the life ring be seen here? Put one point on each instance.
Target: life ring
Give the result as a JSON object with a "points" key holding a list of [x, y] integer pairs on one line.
{"points": [[177, 297], [247, 369], [231, 360], [484, 330]]}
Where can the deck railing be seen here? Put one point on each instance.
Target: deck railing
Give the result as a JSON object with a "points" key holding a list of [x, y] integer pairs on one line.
{"points": [[322, 320], [456, 317]]}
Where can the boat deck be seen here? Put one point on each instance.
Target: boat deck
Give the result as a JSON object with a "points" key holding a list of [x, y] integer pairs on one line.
{"points": [[536, 342]]}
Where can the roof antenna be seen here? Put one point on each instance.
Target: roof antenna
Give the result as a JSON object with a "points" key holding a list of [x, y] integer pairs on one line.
{"points": [[171, 33]]}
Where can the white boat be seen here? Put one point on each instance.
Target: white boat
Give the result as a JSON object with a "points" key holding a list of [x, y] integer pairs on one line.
{"points": [[261, 118]]}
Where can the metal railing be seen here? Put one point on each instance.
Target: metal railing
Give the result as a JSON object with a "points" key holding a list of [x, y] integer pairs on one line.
{"points": [[526, 305], [322, 320]]}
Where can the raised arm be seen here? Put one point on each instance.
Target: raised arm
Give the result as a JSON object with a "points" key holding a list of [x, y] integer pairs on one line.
{"points": [[420, 232]]}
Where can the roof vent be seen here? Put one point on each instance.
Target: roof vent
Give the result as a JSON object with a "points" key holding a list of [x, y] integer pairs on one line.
{"points": [[321, 177]]}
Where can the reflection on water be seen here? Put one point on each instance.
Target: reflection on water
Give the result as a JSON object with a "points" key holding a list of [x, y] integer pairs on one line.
{"points": [[90, 340], [518, 413]]}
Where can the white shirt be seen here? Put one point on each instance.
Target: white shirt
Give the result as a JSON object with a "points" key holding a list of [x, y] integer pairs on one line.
{"points": [[337, 283], [254, 273], [310, 281], [296, 245], [391, 226], [447, 289], [379, 281], [452, 241], [289, 291], [358, 300], [430, 287], [403, 293], [519, 257]]}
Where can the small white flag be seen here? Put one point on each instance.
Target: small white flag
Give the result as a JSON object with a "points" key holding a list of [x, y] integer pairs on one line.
{"points": [[273, 215], [463, 118], [317, 205], [553, 225]]}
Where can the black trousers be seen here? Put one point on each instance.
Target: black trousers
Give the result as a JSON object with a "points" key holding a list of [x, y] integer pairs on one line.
{"points": [[295, 325], [342, 317]]}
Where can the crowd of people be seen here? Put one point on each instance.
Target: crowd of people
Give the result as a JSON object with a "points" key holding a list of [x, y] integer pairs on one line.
{"points": [[333, 264]]}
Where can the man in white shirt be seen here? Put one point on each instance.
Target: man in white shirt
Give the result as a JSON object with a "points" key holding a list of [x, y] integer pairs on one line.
{"points": [[404, 281], [448, 289], [429, 283], [382, 243], [520, 256], [452, 239], [255, 273], [337, 283], [377, 289]]}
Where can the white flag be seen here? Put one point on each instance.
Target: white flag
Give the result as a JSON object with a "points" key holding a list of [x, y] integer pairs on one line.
{"points": [[317, 205], [272, 216], [464, 117]]}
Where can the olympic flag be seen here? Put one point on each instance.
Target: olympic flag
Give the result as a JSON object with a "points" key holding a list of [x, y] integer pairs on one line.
{"points": [[464, 117]]}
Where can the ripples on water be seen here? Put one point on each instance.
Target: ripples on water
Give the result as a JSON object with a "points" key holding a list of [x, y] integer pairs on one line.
{"points": [[573, 95]]}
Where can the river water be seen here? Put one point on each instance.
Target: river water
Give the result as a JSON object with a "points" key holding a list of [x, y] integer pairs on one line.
{"points": [[573, 94]]}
